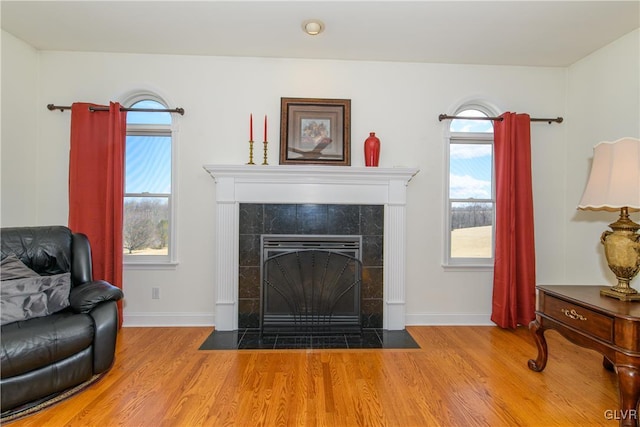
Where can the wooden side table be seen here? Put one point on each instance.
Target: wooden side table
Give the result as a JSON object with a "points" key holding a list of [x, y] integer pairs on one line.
{"points": [[604, 324]]}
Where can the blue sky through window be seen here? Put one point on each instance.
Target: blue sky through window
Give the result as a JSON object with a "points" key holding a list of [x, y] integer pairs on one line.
{"points": [[148, 157], [148, 166], [462, 125], [470, 171], [470, 164], [146, 118]]}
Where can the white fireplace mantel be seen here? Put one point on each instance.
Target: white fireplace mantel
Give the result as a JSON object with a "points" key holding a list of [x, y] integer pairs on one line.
{"points": [[237, 184]]}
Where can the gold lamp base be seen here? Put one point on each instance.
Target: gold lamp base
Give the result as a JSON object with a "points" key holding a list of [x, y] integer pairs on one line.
{"points": [[622, 249], [611, 292]]}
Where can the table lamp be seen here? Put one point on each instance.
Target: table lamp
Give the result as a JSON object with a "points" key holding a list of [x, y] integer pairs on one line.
{"points": [[614, 185]]}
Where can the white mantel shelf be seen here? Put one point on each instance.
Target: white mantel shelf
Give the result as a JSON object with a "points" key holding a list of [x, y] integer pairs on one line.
{"points": [[311, 173], [299, 184]]}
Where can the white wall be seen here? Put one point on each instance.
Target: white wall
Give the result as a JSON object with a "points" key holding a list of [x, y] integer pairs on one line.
{"points": [[603, 105], [19, 172], [399, 101]]}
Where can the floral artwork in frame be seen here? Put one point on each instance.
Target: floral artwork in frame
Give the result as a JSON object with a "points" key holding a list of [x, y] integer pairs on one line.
{"points": [[315, 131]]}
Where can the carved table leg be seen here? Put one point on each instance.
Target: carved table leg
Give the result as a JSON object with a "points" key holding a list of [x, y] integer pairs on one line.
{"points": [[538, 335], [629, 384]]}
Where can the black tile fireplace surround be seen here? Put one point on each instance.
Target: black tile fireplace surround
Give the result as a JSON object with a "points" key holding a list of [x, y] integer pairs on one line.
{"points": [[320, 219]]}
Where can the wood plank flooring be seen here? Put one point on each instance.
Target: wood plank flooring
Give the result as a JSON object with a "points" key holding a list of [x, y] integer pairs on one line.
{"points": [[461, 376]]}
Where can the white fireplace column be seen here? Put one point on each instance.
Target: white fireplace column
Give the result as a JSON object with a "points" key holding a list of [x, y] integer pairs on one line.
{"points": [[315, 184]]}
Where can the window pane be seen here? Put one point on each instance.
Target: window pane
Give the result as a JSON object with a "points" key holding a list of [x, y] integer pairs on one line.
{"points": [[139, 117], [462, 125], [470, 170], [471, 230], [146, 226], [148, 165]]}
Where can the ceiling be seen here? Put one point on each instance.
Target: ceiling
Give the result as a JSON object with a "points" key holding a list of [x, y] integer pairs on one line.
{"points": [[528, 33]]}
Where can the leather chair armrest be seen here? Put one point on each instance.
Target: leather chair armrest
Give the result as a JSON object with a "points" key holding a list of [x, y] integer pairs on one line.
{"points": [[105, 317], [85, 297], [81, 271]]}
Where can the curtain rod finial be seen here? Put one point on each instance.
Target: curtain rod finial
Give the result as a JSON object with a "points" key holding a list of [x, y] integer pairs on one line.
{"points": [[52, 107]]}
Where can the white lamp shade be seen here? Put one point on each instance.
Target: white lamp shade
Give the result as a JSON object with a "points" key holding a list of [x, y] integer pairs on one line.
{"points": [[614, 181]]}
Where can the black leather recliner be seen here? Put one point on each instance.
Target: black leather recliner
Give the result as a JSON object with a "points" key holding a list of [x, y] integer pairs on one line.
{"points": [[44, 356]]}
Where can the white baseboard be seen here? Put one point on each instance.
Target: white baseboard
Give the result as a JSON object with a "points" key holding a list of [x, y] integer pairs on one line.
{"points": [[461, 319], [208, 319], [168, 319]]}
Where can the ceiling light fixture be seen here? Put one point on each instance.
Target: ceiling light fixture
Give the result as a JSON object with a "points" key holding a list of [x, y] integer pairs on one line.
{"points": [[313, 27]]}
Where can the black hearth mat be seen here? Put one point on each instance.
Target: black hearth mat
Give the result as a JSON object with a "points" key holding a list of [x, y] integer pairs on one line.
{"points": [[251, 340]]}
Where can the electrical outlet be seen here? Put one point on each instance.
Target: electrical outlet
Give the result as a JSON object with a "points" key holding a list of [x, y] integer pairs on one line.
{"points": [[155, 293]]}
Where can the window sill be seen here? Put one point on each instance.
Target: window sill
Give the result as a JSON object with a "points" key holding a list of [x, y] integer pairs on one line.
{"points": [[467, 267], [153, 265]]}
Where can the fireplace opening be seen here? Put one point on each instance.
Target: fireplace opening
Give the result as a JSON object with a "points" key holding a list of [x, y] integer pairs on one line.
{"points": [[311, 284]]}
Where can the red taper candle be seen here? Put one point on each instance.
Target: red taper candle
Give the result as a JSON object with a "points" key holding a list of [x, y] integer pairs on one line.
{"points": [[251, 127], [265, 128]]}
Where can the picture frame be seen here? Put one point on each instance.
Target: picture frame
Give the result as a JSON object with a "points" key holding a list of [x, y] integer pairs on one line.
{"points": [[315, 131]]}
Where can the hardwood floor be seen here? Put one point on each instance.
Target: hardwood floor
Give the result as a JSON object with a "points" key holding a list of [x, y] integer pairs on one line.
{"points": [[461, 376]]}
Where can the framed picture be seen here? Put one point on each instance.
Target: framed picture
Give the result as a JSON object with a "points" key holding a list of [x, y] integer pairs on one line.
{"points": [[315, 131]]}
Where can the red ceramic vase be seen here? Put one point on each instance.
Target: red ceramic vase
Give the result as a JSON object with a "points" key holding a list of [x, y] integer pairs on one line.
{"points": [[371, 150]]}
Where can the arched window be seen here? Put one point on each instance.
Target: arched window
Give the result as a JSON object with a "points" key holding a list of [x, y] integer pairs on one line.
{"points": [[470, 196], [148, 234]]}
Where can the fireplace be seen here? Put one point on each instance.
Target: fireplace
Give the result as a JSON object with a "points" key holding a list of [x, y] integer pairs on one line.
{"points": [[293, 188], [310, 284], [357, 230]]}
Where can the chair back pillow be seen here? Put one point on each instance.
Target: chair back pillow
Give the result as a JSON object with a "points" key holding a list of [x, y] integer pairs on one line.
{"points": [[24, 294], [12, 268]]}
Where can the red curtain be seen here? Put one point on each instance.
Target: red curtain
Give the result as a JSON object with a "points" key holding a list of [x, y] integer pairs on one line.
{"points": [[514, 274], [96, 186]]}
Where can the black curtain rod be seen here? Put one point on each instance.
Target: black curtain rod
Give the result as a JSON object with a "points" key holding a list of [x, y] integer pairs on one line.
{"points": [[178, 110], [442, 117]]}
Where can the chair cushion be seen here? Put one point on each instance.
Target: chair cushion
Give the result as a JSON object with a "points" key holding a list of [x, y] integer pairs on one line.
{"points": [[33, 343]]}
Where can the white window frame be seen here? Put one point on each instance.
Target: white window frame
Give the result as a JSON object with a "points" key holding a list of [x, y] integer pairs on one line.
{"points": [[466, 137], [155, 261]]}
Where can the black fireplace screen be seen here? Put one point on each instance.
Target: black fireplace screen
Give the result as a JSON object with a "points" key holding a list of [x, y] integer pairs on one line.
{"points": [[311, 291]]}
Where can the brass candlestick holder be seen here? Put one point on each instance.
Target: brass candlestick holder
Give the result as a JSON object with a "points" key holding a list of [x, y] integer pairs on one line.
{"points": [[251, 153], [264, 162]]}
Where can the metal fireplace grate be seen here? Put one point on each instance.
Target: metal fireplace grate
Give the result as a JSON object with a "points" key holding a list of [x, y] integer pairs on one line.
{"points": [[311, 291]]}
